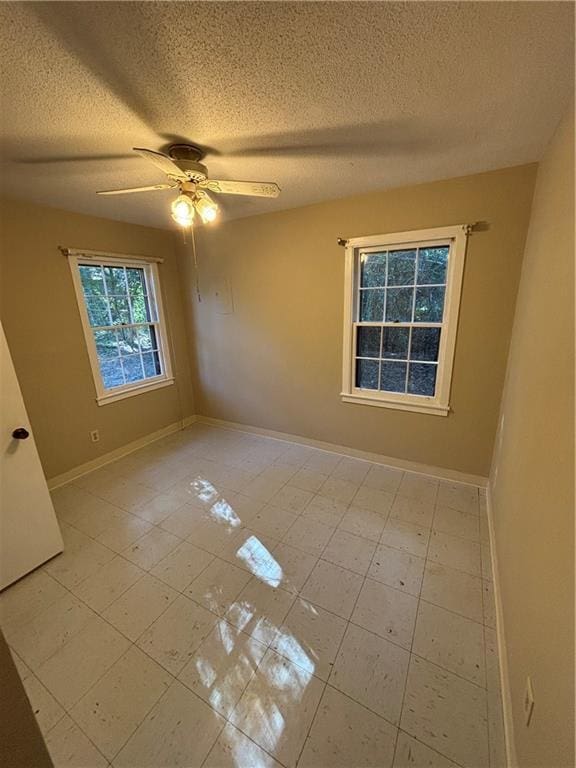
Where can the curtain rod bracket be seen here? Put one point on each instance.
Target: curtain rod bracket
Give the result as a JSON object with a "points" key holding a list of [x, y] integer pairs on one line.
{"points": [[342, 241], [64, 251]]}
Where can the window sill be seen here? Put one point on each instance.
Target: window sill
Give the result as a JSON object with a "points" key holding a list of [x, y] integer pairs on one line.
{"points": [[433, 409], [112, 397]]}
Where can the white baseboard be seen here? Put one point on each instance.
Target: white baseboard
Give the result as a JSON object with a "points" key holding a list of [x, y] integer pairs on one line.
{"points": [[511, 760], [118, 453], [412, 466]]}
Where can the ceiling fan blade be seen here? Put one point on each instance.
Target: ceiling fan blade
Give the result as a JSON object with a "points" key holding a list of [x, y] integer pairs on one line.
{"points": [[254, 188], [130, 190], [161, 161]]}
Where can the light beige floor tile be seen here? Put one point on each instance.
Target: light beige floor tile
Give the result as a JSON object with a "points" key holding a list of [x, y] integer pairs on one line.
{"points": [[253, 552], [413, 754], [183, 521], [339, 489], [263, 487], [110, 712], [292, 568], [486, 562], [457, 523], [413, 511], [323, 461], [371, 671], [23, 600], [273, 521], [455, 590], [222, 666], [406, 537], [79, 663], [418, 487], [447, 713], [259, 610], [363, 522], [22, 668], [496, 738], [172, 639], [124, 493], [458, 496], [160, 507], [37, 640], [374, 500], [484, 528], [352, 470], [291, 498], [397, 569], [139, 606], [151, 548], [308, 535], [387, 612], [45, 707], [277, 707], [124, 533], [489, 605], [383, 478], [178, 732], [455, 552], [450, 641], [80, 559], [326, 511], [235, 750], [308, 480], [94, 516], [333, 588], [182, 565], [213, 535], [218, 586], [349, 551], [102, 588], [310, 637], [70, 748], [345, 734]]}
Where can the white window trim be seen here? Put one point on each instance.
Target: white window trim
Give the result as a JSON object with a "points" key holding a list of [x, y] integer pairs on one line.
{"points": [[105, 396], [438, 405]]}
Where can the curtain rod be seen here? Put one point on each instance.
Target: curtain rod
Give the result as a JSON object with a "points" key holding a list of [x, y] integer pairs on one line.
{"points": [[106, 254], [468, 228]]}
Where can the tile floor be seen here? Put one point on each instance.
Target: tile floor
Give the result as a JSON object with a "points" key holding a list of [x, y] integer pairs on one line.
{"points": [[227, 599]]}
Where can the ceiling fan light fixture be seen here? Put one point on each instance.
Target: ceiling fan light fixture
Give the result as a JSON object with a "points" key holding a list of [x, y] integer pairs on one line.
{"points": [[183, 210], [207, 208]]}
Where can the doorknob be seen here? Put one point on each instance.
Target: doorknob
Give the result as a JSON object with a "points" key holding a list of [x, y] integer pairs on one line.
{"points": [[20, 433]]}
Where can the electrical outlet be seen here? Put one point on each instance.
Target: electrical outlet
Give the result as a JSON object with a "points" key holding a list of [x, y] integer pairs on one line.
{"points": [[528, 702], [95, 436]]}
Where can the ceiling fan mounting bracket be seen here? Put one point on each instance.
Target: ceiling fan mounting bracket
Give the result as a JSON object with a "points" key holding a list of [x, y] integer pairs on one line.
{"points": [[188, 152]]}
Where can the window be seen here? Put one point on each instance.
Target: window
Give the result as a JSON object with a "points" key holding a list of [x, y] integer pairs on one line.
{"points": [[401, 303], [121, 310]]}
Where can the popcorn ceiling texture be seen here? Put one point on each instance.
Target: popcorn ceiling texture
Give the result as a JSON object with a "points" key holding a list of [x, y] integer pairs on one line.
{"points": [[327, 99]]}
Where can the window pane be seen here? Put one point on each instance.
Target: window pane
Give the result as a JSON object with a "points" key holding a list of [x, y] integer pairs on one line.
{"points": [[395, 342], [432, 264], [373, 270], [151, 362], [111, 371], [106, 344], [399, 305], [429, 305], [421, 379], [367, 374], [132, 368], [119, 311], [128, 340], [97, 311], [393, 377], [147, 338], [425, 343], [92, 280], [136, 282], [140, 309], [401, 265], [368, 342], [371, 305], [115, 281]]}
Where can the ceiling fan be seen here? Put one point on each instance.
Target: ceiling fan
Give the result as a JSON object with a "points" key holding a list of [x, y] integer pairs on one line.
{"points": [[189, 176]]}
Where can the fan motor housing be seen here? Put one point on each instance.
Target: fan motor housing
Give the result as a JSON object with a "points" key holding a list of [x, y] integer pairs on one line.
{"points": [[187, 157]]}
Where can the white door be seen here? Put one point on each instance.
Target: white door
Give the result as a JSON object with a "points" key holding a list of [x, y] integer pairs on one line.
{"points": [[29, 532]]}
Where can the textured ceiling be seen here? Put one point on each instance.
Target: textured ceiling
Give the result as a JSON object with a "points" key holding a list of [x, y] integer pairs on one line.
{"points": [[327, 99]]}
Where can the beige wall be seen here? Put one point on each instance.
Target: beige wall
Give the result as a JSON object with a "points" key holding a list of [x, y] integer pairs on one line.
{"points": [[276, 361], [532, 479], [42, 324]]}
